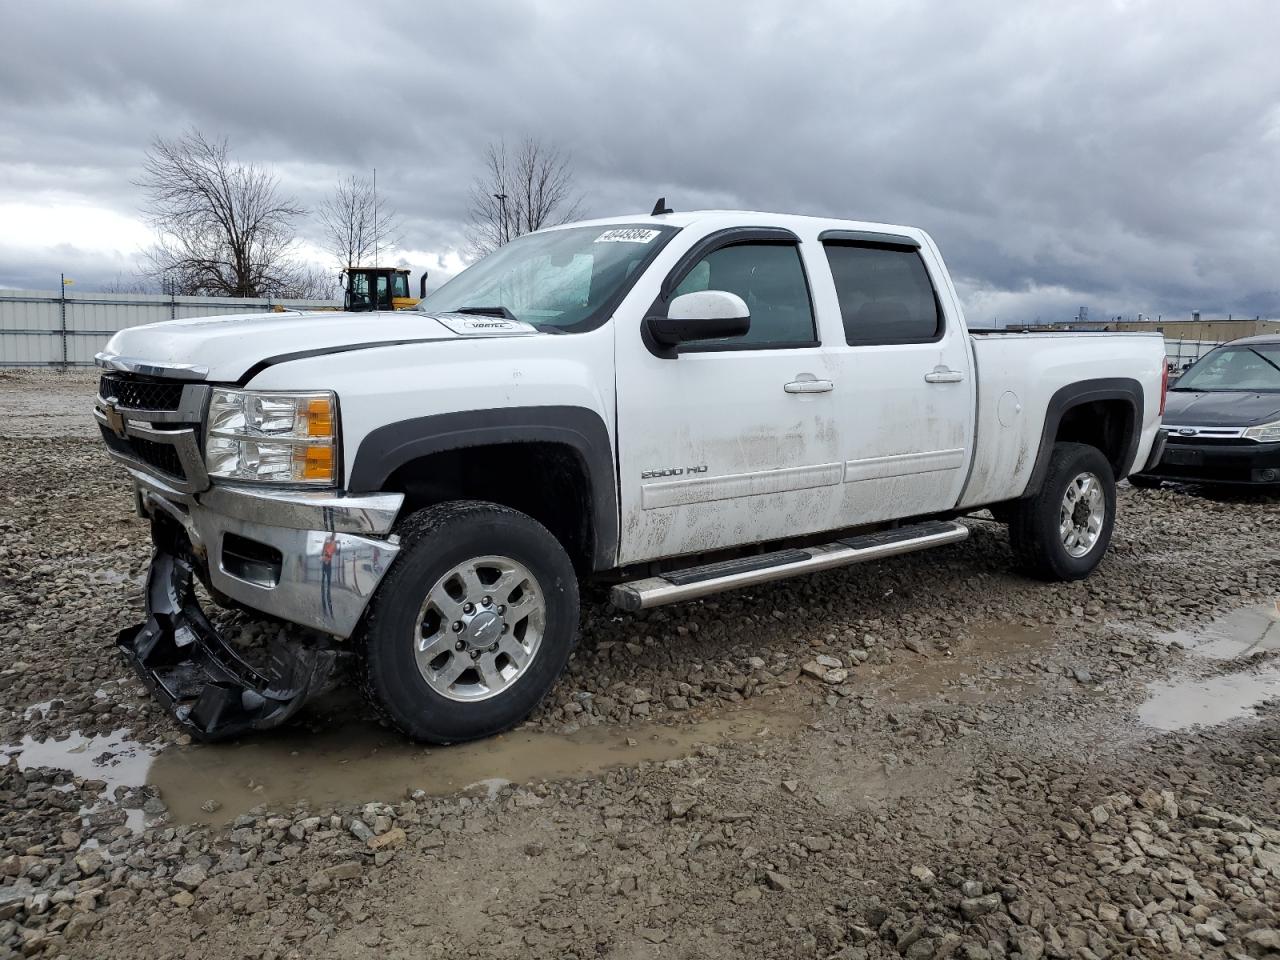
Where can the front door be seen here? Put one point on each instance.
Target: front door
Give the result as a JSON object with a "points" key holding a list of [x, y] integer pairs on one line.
{"points": [[734, 441]]}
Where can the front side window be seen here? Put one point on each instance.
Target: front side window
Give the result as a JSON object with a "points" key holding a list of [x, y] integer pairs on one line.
{"points": [[401, 288], [566, 279], [1243, 367], [770, 279], [885, 295]]}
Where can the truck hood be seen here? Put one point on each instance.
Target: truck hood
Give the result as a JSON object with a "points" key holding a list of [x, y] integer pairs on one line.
{"points": [[1234, 408], [224, 349]]}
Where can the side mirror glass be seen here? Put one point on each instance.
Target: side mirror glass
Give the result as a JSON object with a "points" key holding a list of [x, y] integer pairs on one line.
{"points": [[702, 315]]}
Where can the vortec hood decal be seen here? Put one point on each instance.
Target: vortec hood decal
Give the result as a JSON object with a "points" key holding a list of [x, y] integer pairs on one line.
{"points": [[478, 325]]}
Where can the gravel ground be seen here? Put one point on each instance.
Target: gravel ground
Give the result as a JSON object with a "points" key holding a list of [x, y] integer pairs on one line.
{"points": [[930, 757]]}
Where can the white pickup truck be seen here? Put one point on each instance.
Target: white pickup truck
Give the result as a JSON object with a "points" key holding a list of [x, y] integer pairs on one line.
{"points": [[677, 404]]}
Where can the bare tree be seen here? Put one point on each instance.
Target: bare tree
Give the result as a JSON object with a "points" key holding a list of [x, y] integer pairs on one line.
{"points": [[225, 229], [356, 223], [134, 283], [520, 190]]}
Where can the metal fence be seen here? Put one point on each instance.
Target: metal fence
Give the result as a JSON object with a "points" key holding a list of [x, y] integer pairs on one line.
{"points": [[44, 328]]}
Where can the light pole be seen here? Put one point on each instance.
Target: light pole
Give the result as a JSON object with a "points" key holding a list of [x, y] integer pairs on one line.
{"points": [[502, 202]]}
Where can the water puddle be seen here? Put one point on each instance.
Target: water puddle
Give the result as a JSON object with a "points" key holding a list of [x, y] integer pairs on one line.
{"points": [[361, 762], [358, 762], [113, 757], [1241, 633], [1182, 704], [973, 668]]}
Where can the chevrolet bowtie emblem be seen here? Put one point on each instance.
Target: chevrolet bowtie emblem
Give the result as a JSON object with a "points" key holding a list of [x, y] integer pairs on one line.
{"points": [[115, 420]]}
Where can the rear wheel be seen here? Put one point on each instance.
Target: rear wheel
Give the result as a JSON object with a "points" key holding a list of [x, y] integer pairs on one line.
{"points": [[472, 626], [1062, 532]]}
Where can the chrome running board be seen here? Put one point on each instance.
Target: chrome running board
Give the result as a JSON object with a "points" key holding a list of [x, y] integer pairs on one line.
{"points": [[712, 578]]}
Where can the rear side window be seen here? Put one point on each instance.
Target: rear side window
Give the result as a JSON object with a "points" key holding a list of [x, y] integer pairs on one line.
{"points": [[770, 279], [885, 295]]}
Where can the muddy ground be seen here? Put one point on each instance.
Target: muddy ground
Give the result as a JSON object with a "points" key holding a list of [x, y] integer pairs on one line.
{"points": [[930, 757]]}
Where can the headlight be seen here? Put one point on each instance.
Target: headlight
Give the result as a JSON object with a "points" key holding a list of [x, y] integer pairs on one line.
{"points": [[274, 437], [1265, 432]]}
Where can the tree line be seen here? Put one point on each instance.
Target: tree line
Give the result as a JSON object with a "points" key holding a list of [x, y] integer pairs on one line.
{"points": [[225, 227]]}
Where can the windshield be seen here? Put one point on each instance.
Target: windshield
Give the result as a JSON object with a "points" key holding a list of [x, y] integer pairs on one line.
{"points": [[1255, 367], [566, 279]]}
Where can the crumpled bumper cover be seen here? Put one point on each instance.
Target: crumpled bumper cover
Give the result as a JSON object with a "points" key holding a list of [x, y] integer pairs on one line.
{"points": [[200, 679]]}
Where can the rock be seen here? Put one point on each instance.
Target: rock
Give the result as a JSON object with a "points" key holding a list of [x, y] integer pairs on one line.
{"points": [[923, 874], [813, 669], [1267, 938], [395, 837], [679, 806], [1135, 920], [835, 676], [777, 881], [89, 862], [816, 844], [361, 830], [211, 806], [1082, 675], [971, 908], [348, 870], [791, 786], [79, 925], [191, 876], [747, 895], [319, 882], [831, 663], [183, 898], [1028, 943]]}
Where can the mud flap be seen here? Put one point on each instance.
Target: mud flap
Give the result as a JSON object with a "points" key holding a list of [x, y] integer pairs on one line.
{"points": [[199, 677]]}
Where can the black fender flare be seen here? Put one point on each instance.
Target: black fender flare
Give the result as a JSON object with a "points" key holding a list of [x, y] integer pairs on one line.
{"points": [[389, 447], [1088, 391]]}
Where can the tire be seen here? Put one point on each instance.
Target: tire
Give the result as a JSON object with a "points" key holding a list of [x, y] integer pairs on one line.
{"points": [[448, 552], [1144, 482], [1039, 546]]}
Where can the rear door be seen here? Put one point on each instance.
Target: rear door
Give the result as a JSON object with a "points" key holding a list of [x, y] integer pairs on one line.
{"points": [[734, 441], [902, 359]]}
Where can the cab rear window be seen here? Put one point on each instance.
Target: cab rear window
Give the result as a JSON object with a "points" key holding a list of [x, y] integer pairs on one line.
{"points": [[885, 294]]}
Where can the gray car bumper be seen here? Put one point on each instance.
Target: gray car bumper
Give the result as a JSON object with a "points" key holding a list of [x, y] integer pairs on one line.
{"points": [[312, 558]]}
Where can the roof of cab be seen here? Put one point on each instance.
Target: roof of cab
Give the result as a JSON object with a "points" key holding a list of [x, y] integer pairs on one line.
{"points": [[755, 218]]}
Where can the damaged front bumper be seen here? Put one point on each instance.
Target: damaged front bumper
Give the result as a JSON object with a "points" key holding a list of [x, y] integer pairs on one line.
{"points": [[313, 559]]}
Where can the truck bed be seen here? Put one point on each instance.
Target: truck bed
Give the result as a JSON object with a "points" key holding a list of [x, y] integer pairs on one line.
{"points": [[1018, 376]]}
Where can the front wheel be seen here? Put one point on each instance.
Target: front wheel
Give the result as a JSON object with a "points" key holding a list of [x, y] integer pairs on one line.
{"points": [[1063, 530], [472, 626]]}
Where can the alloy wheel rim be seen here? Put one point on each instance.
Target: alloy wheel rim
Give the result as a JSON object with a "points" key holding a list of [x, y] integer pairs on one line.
{"points": [[479, 628], [1083, 512]]}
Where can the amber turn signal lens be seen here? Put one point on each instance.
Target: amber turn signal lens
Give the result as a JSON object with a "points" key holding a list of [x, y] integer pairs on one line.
{"points": [[319, 413], [316, 462]]}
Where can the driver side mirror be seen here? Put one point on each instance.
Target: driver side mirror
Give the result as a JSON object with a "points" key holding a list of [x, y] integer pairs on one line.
{"points": [[702, 315]]}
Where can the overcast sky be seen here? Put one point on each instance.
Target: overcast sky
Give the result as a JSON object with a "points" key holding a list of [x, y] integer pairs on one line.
{"points": [[1121, 155]]}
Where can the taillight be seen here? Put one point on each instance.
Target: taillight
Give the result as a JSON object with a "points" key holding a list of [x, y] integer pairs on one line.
{"points": [[1164, 385]]}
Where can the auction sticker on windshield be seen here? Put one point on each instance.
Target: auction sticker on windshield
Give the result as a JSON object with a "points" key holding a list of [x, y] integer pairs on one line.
{"points": [[627, 235]]}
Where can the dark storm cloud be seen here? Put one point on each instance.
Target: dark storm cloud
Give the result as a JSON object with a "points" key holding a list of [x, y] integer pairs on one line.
{"points": [[1117, 155]]}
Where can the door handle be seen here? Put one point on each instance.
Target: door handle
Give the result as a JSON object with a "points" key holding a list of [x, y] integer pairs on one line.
{"points": [[809, 386], [943, 374]]}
